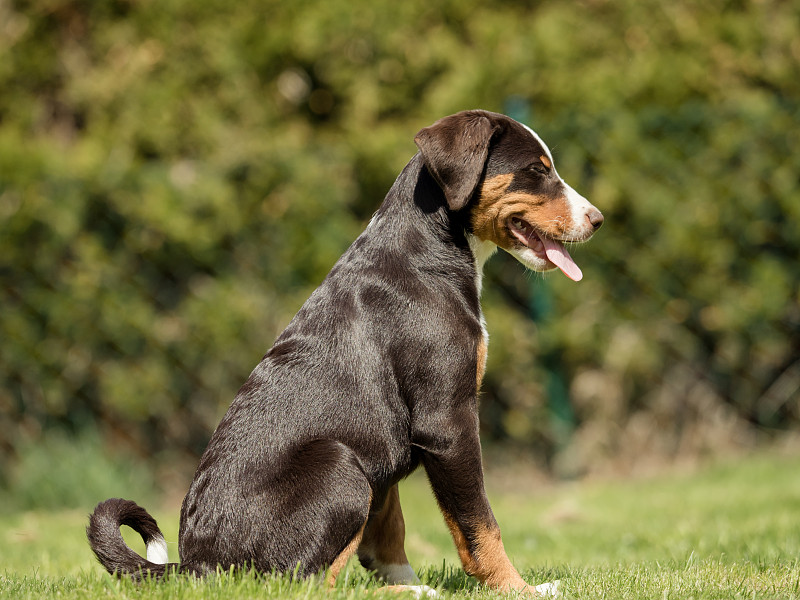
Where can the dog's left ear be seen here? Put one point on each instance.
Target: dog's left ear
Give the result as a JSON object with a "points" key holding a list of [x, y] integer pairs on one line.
{"points": [[454, 150]]}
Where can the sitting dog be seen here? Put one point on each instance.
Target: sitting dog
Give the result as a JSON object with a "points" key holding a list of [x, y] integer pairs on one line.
{"points": [[377, 374]]}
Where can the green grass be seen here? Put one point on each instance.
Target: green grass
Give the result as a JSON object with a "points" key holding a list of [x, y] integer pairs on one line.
{"points": [[726, 531]]}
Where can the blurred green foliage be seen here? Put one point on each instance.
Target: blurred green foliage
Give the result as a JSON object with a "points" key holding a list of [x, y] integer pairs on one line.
{"points": [[67, 471], [176, 177]]}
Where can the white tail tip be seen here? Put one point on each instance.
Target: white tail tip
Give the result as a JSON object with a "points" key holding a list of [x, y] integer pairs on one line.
{"points": [[157, 551]]}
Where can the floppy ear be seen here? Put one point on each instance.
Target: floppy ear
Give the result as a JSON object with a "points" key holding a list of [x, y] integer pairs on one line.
{"points": [[454, 150]]}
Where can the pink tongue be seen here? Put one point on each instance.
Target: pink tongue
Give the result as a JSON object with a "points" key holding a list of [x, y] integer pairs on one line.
{"points": [[558, 255]]}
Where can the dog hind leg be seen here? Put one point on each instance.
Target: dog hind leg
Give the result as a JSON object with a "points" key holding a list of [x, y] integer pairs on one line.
{"points": [[304, 515], [382, 549]]}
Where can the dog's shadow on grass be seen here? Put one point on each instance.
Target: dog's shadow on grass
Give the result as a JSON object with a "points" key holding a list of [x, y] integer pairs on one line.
{"points": [[451, 579], [447, 578]]}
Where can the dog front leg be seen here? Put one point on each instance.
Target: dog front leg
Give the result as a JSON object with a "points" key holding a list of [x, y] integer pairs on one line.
{"points": [[455, 473]]}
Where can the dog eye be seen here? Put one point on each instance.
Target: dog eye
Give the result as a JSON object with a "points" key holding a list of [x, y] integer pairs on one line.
{"points": [[539, 168]]}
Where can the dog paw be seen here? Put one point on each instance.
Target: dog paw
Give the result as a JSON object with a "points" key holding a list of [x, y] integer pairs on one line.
{"points": [[428, 592], [549, 590], [419, 591]]}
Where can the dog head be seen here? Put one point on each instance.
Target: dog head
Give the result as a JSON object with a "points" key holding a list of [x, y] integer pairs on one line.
{"points": [[503, 174]]}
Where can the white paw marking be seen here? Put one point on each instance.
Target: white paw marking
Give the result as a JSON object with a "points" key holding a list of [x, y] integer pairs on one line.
{"points": [[419, 591], [549, 589]]}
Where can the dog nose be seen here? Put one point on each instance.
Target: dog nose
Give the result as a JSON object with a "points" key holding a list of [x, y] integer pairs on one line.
{"points": [[595, 217]]}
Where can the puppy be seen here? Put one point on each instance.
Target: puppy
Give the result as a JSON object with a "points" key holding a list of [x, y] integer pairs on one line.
{"points": [[377, 374]]}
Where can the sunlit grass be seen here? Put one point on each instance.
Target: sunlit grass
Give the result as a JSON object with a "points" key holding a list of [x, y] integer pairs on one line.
{"points": [[727, 531]]}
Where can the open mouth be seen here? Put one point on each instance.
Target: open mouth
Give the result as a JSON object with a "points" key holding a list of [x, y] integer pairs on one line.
{"points": [[544, 247]]}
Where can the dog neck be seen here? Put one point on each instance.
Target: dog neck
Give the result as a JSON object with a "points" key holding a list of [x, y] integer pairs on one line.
{"points": [[415, 225], [481, 251]]}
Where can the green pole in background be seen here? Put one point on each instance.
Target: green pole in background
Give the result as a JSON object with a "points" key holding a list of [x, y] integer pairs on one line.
{"points": [[540, 305]]}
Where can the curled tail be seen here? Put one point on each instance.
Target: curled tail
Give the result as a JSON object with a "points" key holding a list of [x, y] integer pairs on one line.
{"points": [[112, 551]]}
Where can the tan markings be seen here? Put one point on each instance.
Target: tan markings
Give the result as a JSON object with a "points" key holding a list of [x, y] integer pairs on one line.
{"points": [[487, 560], [470, 565], [482, 353], [496, 568], [485, 213], [345, 555], [494, 188], [385, 534], [496, 206], [546, 161]]}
